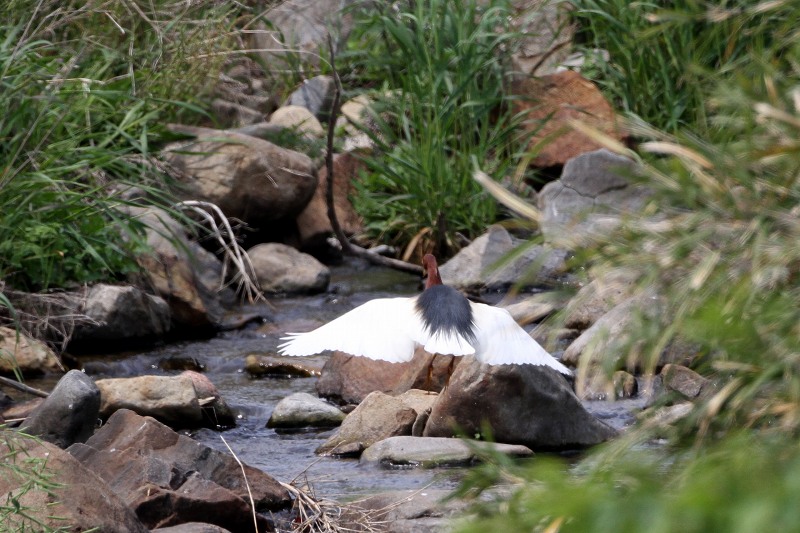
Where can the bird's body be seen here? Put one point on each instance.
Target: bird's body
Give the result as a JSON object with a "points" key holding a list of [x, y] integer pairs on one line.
{"points": [[440, 319]]}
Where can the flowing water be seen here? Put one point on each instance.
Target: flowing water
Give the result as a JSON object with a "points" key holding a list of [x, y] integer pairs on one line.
{"points": [[290, 455]]}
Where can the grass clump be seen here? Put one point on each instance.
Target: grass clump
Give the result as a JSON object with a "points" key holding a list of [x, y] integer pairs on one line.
{"points": [[438, 71], [86, 89]]}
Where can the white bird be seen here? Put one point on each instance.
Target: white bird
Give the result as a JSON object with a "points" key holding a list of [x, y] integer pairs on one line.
{"points": [[440, 319]]}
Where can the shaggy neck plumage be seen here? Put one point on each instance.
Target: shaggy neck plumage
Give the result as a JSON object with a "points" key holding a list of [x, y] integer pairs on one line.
{"points": [[432, 269]]}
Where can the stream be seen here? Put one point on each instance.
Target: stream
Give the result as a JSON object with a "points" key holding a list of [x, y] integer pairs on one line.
{"points": [[289, 455]]}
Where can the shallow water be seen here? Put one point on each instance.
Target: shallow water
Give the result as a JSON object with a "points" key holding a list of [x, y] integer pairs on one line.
{"points": [[290, 455]]}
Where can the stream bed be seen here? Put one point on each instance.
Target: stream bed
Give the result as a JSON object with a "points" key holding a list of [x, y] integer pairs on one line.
{"points": [[289, 455]]}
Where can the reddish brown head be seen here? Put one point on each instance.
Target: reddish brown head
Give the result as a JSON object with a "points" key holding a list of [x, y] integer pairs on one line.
{"points": [[432, 270]]}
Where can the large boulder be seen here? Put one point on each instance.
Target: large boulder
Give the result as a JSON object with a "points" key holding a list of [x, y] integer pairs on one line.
{"points": [[23, 353], [522, 404], [179, 270], [550, 102], [247, 178], [378, 417], [349, 379], [168, 478], [282, 269], [79, 501], [313, 224], [70, 412], [122, 312], [588, 200], [482, 265]]}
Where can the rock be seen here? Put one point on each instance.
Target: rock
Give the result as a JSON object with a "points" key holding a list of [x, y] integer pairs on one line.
{"points": [[316, 95], [216, 412], [625, 385], [524, 404], [19, 411], [282, 269], [545, 35], [349, 379], [434, 451], [303, 27], [247, 178], [475, 266], [313, 224], [586, 202], [304, 410], [533, 308], [79, 501], [550, 102], [170, 399], [28, 355], [170, 268], [354, 114], [168, 478], [260, 366], [378, 417], [298, 119], [412, 511], [69, 414], [682, 380], [191, 527], [122, 312], [610, 332], [598, 297], [233, 114]]}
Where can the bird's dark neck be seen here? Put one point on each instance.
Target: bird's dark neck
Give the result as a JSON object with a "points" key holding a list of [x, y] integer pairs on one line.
{"points": [[432, 269]]}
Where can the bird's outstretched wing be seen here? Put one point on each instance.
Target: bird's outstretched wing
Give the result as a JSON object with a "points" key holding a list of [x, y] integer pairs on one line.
{"points": [[501, 341], [384, 328]]}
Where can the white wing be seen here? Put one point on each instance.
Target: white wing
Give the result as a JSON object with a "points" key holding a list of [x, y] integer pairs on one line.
{"points": [[501, 341], [386, 328]]}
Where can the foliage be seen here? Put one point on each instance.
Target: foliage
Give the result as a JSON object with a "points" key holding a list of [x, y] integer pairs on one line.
{"points": [[665, 56], [440, 104], [747, 483], [83, 86]]}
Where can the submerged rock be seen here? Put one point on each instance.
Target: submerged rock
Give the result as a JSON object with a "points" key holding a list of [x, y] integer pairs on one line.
{"points": [[304, 410], [435, 451], [523, 404], [69, 414]]}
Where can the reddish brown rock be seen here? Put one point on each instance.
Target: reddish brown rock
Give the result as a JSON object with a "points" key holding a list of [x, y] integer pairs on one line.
{"points": [[168, 478], [551, 101], [80, 501], [349, 379], [313, 224]]}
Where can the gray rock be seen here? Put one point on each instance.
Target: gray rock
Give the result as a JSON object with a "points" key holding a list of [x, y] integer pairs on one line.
{"points": [[587, 201], [598, 297], [304, 410], [191, 527], [378, 417], [523, 404], [123, 312], [79, 499], [481, 264], [316, 95], [282, 269], [170, 399], [435, 451], [682, 380], [246, 177], [69, 414], [169, 478]]}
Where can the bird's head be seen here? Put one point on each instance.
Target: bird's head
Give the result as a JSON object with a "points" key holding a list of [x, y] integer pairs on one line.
{"points": [[432, 271]]}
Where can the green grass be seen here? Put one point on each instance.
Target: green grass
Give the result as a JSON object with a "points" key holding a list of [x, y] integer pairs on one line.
{"points": [[439, 78]]}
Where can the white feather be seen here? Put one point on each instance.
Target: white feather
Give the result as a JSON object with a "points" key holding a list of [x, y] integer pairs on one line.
{"points": [[501, 341], [385, 328], [391, 329]]}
